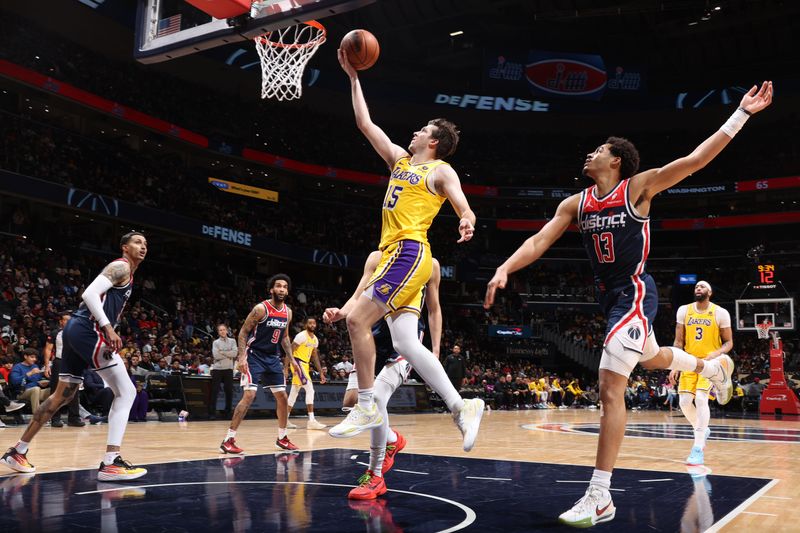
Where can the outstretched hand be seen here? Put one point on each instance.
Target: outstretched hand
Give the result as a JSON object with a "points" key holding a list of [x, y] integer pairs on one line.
{"points": [[345, 63], [497, 282], [753, 101], [466, 229]]}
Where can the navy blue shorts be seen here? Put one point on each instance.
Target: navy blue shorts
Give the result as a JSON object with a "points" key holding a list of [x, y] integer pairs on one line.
{"points": [[84, 347], [265, 370], [635, 302]]}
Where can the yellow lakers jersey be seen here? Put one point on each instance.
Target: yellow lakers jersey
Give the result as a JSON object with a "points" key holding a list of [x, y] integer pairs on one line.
{"points": [[701, 333], [410, 204], [306, 344]]}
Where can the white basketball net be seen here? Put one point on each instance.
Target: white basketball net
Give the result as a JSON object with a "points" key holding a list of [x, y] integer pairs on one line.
{"points": [[284, 54], [763, 330]]}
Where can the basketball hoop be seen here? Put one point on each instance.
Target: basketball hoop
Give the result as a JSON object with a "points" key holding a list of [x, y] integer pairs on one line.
{"points": [[763, 330], [284, 54]]}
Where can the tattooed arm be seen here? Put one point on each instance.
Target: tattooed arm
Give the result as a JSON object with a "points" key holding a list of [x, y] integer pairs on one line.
{"points": [[115, 273], [256, 315]]}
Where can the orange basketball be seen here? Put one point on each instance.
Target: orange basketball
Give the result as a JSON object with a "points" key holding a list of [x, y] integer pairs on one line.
{"points": [[362, 49]]}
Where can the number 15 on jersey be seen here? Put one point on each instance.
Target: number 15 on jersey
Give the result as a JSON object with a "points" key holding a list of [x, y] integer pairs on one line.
{"points": [[392, 196]]}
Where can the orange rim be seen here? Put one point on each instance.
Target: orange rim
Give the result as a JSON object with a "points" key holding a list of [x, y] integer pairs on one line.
{"points": [[264, 39]]}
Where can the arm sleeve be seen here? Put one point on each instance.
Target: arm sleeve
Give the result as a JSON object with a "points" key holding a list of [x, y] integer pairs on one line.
{"points": [[680, 318], [723, 317], [92, 298], [300, 338]]}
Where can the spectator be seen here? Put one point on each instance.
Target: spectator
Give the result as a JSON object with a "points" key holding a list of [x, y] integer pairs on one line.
{"points": [[135, 369], [96, 395], [225, 354], [456, 368], [344, 364], [27, 378]]}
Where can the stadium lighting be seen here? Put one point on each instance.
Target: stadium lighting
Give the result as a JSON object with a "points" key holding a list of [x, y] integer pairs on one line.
{"points": [[456, 33]]}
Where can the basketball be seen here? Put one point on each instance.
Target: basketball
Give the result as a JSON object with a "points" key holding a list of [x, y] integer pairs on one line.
{"points": [[362, 49]]}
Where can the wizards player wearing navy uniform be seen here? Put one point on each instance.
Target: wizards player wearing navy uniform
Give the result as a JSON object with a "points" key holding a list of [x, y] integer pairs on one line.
{"points": [[263, 343], [613, 218], [91, 342]]}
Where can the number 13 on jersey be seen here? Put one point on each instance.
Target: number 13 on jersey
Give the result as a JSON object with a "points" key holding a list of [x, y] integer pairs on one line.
{"points": [[392, 196], [604, 246]]}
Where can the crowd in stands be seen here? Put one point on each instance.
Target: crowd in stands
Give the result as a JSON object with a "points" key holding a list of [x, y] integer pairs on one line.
{"points": [[483, 154]]}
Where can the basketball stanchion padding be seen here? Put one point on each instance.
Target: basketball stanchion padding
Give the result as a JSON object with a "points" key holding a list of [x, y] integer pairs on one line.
{"points": [[284, 54]]}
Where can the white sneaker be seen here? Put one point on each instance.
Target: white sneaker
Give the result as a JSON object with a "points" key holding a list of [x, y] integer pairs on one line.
{"points": [[289, 425], [14, 406], [358, 420], [722, 379], [313, 424], [468, 421], [595, 507]]}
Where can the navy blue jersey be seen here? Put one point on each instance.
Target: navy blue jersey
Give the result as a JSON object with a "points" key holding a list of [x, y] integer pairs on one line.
{"points": [[265, 339], [114, 301], [616, 238]]}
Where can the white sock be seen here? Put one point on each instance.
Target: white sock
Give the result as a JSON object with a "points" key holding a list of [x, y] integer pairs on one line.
{"points": [[710, 368], [682, 360], [231, 434], [365, 399], [703, 417], [281, 433], [601, 479], [22, 447], [391, 436], [687, 407], [109, 457], [311, 416], [405, 338]]}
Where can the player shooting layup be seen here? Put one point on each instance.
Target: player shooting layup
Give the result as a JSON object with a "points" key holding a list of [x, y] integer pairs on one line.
{"points": [[420, 182]]}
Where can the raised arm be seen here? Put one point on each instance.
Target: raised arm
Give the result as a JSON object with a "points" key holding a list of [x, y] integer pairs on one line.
{"points": [[645, 185], [448, 185], [534, 247], [334, 314], [434, 308], [389, 151]]}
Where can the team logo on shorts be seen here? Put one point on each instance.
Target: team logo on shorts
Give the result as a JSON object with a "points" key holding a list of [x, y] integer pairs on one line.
{"points": [[634, 332], [384, 289]]}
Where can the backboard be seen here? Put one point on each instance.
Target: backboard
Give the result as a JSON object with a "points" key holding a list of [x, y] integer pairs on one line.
{"points": [[778, 311], [166, 29]]}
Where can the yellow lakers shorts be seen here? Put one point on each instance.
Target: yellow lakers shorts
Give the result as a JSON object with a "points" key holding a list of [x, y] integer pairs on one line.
{"points": [[305, 377], [404, 270], [692, 381]]}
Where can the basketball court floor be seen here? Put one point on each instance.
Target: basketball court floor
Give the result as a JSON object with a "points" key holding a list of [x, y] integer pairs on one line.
{"points": [[526, 468]]}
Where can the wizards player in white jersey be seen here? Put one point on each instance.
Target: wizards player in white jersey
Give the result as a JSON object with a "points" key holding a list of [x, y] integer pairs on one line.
{"points": [[91, 342], [261, 339], [385, 443], [613, 217]]}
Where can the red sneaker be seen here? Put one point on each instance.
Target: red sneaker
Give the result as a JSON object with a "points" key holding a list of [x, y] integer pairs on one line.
{"points": [[369, 487], [17, 461], [391, 451], [286, 444], [229, 446]]}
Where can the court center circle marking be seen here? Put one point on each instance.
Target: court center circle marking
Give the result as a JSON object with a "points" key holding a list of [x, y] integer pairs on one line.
{"points": [[468, 520]]}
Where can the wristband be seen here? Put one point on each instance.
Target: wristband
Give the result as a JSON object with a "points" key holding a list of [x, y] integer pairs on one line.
{"points": [[735, 123]]}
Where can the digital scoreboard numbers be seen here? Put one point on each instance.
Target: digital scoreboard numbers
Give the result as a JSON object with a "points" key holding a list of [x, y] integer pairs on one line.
{"points": [[766, 276]]}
